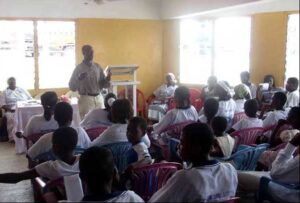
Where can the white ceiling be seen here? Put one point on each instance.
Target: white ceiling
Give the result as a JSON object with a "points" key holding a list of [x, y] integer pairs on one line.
{"points": [[138, 9]]}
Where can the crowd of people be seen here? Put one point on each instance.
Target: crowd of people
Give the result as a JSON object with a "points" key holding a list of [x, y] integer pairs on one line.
{"points": [[202, 145]]}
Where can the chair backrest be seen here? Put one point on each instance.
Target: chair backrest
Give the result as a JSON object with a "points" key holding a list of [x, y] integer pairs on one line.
{"points": [[174, 130], [247, 136], [238, 116], [120, 153], [146, 180], [33, 138], [93, 133]]}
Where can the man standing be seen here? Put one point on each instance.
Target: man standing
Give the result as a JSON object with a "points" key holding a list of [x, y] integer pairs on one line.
{"points": [[245, 79], [88, 79]]}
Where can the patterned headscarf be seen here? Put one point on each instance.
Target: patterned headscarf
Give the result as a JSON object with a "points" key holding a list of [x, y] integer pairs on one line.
{"points": [[241, 91]]}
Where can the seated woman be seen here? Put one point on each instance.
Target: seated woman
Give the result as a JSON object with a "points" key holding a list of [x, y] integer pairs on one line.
{"points": [[183, 112], [99, 116], [241, 94], [45, 122], [158, 108]]}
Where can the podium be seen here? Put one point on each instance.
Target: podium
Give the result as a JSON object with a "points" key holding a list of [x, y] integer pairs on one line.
{"points": [[120, 70]]}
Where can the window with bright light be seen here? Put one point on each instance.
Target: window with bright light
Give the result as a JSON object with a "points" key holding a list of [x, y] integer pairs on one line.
{"points": [[214, 47], [292, 50], [55, 61]]}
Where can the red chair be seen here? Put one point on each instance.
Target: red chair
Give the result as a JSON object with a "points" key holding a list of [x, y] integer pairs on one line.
{"points": [[247, 136], [238, 116], [146, 180], [31, 139], [141, 101], [93, 133]]}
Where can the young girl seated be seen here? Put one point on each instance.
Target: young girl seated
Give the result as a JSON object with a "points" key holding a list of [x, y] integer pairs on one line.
{"points": [[45, 122], [99, 116], [139, 154], [251, 107], [241, 94], [210, 109], [205, 180], [64, 141], [183, 112], [224, 143], [121, 113], [158, 108]]}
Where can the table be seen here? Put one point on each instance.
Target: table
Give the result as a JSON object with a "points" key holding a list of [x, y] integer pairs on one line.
{"points": [[24, 111]]}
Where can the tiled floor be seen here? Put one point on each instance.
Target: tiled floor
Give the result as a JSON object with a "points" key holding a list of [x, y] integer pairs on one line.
{"points": [[11, 162]]}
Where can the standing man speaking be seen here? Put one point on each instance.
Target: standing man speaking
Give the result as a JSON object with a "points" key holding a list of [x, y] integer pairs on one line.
{"points": [[88, 79]]}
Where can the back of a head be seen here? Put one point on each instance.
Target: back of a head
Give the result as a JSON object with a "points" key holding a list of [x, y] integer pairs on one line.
{"points": [[49, 100], [86, 48], [251, 107], [182, 95], [294, 117], [66, 139], [63, 113], [96, 167], [138, 121], [219, 125], [211, 107], [280, 99], [109, 99], [121, 111]]}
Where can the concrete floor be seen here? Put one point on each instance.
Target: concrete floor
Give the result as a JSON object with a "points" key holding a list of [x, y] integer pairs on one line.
{"points": [[11, 162]]}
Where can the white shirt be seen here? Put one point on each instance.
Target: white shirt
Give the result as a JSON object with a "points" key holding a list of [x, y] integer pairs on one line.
{"points": [[176, 116], [203, 118], [38, 124], [165, 91], [126, 196], [116, 133], [248, 123], [11, 97], [273, 117], [208, 183], [56, 169], [253, 90], [292, 99], [44, 144], [239, 105], [95, 118], [285, 169], [141, 153], [226, 144], [226, 109]]}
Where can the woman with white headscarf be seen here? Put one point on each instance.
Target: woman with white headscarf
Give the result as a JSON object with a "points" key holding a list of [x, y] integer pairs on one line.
{"points": [[158, 107]]}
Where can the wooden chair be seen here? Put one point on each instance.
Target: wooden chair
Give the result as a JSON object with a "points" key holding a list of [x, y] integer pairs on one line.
{"points": [[93, 133]]}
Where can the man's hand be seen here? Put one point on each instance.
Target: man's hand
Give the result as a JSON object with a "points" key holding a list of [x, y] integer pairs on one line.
{"points": [[296, 140], [82, 76]]}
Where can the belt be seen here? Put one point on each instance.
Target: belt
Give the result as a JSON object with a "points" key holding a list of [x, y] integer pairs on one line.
{"points": [[90, 94]]}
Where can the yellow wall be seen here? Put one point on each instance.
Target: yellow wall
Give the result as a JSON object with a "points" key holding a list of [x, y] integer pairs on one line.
{"points": [[125, 42], [268, 46]]}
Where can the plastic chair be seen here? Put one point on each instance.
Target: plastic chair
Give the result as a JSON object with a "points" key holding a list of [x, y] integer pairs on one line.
{"points": [[141, 101], [93, 133], [120, 152], [238, 116], [247, 136], [31, 139], [146, 180]]}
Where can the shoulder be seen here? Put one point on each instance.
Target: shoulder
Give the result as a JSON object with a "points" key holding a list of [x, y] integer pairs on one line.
{"points": [[131, 196]]}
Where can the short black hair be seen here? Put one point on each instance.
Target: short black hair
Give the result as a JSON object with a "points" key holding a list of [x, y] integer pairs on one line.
{"points": [[139, 121], [219, 125], [251, 108], [211, 107], [182, 93], [294, 82], [281, 98], [63, 113], [85, 47], [199, 134], [66, 138], [96, 167], [121, 111], [245, 74]]}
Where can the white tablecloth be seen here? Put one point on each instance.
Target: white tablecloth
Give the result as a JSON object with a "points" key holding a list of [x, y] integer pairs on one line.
{"points": [[24, 111]]}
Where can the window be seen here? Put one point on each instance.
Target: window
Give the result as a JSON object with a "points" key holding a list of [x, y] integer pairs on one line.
{"points": [[55, 61], [214, 47], [292, 50]]}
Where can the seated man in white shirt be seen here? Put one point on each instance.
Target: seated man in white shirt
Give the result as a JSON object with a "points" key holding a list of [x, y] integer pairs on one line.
{"points": [[11, 95], [278, 102], [205, 180], [292, 93], [98, 173], [64, 142], [63, 114], [285, 170]]}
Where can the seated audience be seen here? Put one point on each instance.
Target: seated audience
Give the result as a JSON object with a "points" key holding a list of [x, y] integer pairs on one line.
{"points": [[183, 112], [45, 122], [98, 173], [264, 96], [99, 117], [224, 143], [251, 107], [210, 109], [63, 144], [292, 93], [205, 180], [278, 102], [208, 91], [241, 94], [245, 79], [158, 108], [63, 113], [121, 112], [285, 170]]}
